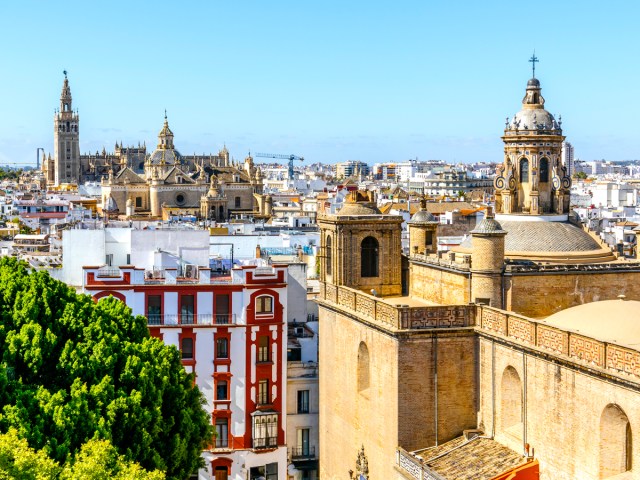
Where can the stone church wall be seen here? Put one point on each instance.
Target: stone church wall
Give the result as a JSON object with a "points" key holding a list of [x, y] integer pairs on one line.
{"points": [[438, 286], [350, 418], [531, 295]]}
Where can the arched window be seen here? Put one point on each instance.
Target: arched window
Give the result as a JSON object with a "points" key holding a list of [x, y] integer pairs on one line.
{"points": [[511, 404], [363, 367], [369, 257], [544, 170], [615, 442], [328, 255], [524, 170]]}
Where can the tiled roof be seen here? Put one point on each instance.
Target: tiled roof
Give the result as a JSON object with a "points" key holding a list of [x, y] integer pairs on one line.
{"points": [[534, 236], [479, 458]]}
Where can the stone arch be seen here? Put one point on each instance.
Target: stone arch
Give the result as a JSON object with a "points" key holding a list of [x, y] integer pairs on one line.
{"points": [[369, 257], [363, 367], [511, 400], [616, 442], [108, 293]]}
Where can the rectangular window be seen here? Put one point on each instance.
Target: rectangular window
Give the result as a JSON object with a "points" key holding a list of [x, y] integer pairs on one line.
{"points": [[263, 392], [263, 348], [138, 202], [264, 304], [187, 309], [222, 432], [222, 348], [303, 401], [238, 201], [154, 309], [303, 442], [187, 348], [109, 260], [221, 390], [222, 309], [294, 354]]}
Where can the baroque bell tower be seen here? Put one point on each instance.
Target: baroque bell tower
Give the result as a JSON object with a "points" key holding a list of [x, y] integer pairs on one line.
{"points": [[66, 139], [532, 178]]}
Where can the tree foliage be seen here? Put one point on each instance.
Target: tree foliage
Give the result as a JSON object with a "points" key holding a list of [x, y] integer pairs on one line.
{"points": [[73, 370], [97, 459]]}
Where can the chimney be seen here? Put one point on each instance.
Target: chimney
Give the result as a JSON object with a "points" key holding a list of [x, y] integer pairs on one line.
{"points": [[258, 251]]}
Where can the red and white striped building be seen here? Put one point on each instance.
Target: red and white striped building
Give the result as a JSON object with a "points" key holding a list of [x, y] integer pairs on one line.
{"points": [[231, 331]]}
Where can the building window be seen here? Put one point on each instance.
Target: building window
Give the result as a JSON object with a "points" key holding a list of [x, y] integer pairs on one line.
{"points": [[303, 442], [511, 405], [187, 348], [616, 442], [187, 309], [369, 258], [222, 432], [524, 170], [263, 348], [266, 472], [294, 354], [265, 431], [222, 309], [544, 170], [263, 392], [154, 309], [138, 202], [328, 255], [221, 390], [238, 201], [264, 304], [303, 401], [222, 348], [363, 367], [109, 260]]}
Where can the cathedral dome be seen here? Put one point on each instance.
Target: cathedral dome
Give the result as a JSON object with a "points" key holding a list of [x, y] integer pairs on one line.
{"points": [[621, 328], [555, 242], [423, 216], [533, 116], [165, 153], [163, 156]]}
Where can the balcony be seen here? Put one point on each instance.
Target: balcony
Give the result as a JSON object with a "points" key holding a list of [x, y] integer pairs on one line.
{"points": [[265, 442], [191, 319], [109, 272], [302, 453]]}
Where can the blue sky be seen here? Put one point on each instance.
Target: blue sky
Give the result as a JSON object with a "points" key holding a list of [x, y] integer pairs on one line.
{"points": [[331, 80]]}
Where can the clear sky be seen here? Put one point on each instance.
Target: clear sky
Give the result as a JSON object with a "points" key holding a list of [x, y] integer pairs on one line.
{"points": [[327, 80]]}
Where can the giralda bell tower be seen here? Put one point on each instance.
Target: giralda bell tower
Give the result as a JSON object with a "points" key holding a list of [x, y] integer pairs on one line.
{"points": [[66, 139]]}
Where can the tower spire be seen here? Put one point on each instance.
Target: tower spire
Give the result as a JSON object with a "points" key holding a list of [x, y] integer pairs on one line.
{"points": [[533, 61]]}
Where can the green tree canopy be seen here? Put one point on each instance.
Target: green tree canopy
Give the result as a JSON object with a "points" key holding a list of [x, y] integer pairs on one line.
{"points": [[73, 370], [96, 459]]}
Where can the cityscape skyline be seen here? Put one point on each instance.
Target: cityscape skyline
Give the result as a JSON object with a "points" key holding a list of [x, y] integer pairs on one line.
{"points": [[323, 83]]}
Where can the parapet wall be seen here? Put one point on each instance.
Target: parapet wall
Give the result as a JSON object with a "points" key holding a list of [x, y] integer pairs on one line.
{"points": [[574, 347], [397, 316]]}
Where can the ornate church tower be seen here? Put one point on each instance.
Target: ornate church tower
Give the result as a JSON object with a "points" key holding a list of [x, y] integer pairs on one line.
{"points": [[66, 139], [532, 178], [361, 248]]}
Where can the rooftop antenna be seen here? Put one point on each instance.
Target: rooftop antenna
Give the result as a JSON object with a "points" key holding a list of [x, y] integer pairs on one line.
{"points": [[533, 60]]}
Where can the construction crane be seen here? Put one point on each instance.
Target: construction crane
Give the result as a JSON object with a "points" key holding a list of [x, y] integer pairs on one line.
{"points": [[291, 158]]}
